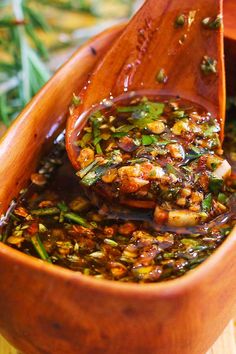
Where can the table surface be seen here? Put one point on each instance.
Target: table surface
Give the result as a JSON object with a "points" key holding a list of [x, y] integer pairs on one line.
{"points": [[226, 343]]}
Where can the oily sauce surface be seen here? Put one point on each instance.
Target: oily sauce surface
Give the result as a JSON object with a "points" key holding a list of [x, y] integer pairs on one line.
{"points": [[62, 219]]}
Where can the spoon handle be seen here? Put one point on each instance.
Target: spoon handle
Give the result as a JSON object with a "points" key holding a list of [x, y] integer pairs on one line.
{"points": [[172, 47]]}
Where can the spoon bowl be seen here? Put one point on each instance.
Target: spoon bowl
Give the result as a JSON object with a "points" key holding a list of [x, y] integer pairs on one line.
{"points": [[173, 48]]}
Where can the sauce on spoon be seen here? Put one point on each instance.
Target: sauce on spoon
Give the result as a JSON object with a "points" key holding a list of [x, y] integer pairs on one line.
{"points": [[155, 152]]}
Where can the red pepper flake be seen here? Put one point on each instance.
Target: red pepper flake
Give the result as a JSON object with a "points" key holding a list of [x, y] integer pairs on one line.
{"points": [[202, 166], [38, 179], [127, 229], [110, 231], [33, 228], [78, 231], [21, 212], [127, 144], [204, 181], [46, 204], [128, 185]]}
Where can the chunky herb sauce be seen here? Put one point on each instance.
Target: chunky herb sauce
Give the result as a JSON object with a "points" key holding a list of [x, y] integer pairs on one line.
{"points": [[162, 157], [156, 154]]}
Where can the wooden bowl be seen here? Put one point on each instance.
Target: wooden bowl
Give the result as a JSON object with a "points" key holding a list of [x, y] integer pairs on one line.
{"points": [[48, 309]]}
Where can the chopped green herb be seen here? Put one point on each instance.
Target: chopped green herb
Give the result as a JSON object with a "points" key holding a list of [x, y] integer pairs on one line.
{"points": [[149, 112], [214, 166], [76, 100], [96, 122], [110, 242], [225, 230], [138, 160], [189, 242], [210, 130], [215, 141], [153, 109], [222, 198], [162, 142], [63, 207], [40, 249], [86, 139], [143, 122], [42, 228], [207, 203], [147, 140], [212, 23], [124, 128], [127, 109], [209, 65], [6, 232], [119, 135], [87, 169], [215, 184], [96, 141], [77, 219], [97, 254], [178, 114], [95, 174], [86, 271], [98, 148], [180, 21], [193, 154], [171, 169], [46, 211], [161, 76]]}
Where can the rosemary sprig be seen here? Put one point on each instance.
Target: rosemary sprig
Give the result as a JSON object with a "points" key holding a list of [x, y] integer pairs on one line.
{"points": [[23, 73], [45, 211], [72, 5], [77, 219], [4, 110], [40, 249], [25, 60]]}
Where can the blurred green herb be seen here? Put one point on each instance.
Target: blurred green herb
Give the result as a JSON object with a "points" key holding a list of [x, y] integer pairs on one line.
{"points": [[23, 72], [25, 60]]}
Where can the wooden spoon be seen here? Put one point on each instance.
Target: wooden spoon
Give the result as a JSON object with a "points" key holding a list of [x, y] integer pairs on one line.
{"points": [[230, 45], [168, 46]]}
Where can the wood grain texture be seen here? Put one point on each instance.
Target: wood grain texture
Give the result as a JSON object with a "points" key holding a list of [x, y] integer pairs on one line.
{"points": [[230, 45], [225, 344], [151, 42], [229, 19]]}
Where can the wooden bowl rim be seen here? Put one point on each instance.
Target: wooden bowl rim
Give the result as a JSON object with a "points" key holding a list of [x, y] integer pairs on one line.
{"points": [[168, 288]]}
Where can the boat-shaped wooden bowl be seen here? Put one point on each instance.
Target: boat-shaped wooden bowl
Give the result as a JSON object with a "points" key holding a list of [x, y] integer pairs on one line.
{"points": [[45, 309]]}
